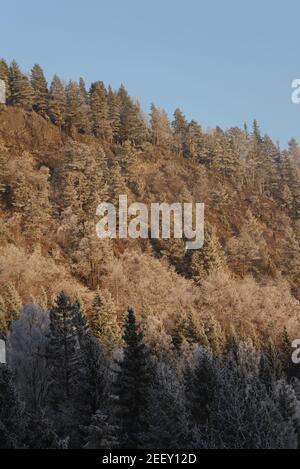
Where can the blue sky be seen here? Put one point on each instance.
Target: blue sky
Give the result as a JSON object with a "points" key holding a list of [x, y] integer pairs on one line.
{"points": [[223, 62]]}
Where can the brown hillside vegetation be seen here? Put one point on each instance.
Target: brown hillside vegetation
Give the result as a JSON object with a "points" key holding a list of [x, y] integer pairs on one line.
{"points": [[65, 149], [48, 237]]}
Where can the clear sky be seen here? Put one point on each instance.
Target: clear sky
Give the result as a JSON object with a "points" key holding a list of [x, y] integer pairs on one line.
{"points": [[223, 62]]}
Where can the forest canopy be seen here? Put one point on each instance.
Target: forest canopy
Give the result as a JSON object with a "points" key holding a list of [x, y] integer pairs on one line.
{"points": [[210, 329]]}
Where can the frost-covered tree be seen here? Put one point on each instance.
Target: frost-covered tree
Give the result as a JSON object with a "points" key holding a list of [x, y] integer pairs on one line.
{"points": [[27, 355], [132, 385]]}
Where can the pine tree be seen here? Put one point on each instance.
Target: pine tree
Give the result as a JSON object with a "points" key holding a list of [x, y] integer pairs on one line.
{"points": [[11, 416], [195, 141], [66, 369], [57, 102], [73, 117], [132, 385], [101, 125], [92, 372], [104, 321], [21, 92], [92, 389], [63, 348], [84, 109], [180, 129], [256, 132], [83, 91], [132, 123], [40, 88]]}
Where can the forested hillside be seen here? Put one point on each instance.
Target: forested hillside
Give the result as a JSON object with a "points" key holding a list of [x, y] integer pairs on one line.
{"points": [[217, 323]]}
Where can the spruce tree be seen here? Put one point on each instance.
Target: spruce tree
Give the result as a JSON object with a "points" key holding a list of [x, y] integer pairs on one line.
{"points": [[73, 117], [21, 92], [84, 109], [62, 355], [92, 370], [66, 360], [40, 89], [132, 385], [180, 129], [195, 140], [132, 123], [101, 125], [256, 132], [57, 102], [83, 91]]}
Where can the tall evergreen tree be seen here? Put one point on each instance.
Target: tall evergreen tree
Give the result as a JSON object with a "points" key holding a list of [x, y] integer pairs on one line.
{"points": [[62, 355], [57, 102], [73, 120], [64, 363], [40, 89], [101, 124], [180, 129], [132, 123], [21, 92], [132, 385]]}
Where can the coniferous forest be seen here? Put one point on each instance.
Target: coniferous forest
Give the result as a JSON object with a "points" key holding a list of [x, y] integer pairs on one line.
{"points": [[119, 344]]}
